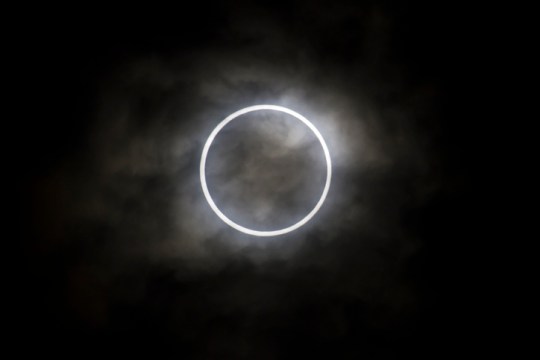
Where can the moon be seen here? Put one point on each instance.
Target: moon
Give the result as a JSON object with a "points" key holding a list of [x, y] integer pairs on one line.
{"points": [[239, 227]]}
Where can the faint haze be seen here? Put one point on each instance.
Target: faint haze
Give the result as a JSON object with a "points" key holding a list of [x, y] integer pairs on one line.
{"points": [[131, 201]]}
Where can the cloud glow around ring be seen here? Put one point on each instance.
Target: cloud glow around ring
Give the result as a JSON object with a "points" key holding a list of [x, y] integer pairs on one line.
{"points": [[206, 192]]}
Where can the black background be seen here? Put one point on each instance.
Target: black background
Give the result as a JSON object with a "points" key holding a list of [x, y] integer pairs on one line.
{"points": [[68, 53]]}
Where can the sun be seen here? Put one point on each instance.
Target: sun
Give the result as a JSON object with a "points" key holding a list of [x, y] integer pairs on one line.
{"points": [[239, 227]]}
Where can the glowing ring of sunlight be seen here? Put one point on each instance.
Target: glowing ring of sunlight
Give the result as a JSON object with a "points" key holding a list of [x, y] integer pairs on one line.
{"points": [[241, 228]]}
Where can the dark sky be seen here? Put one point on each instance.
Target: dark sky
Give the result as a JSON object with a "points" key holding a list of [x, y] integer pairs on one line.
{"points": [[121, 253]]}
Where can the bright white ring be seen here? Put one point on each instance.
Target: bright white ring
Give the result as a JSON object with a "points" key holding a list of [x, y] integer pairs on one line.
{"points": [[222, 216]]}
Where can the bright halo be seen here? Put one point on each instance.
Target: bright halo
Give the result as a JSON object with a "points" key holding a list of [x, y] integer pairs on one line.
{"points": [[241, 228]]}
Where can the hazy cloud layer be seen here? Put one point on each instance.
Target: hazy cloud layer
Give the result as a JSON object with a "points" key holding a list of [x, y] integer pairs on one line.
{"points": [[132, 204]]}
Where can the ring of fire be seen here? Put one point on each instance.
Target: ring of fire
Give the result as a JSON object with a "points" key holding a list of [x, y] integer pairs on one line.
{"points": [[211, 202]]}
